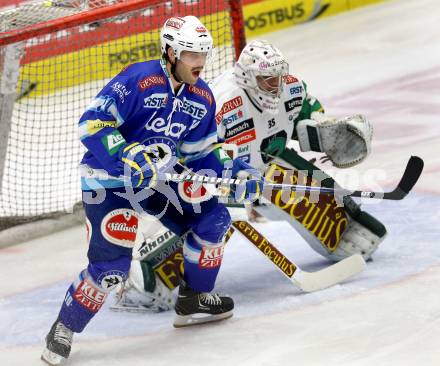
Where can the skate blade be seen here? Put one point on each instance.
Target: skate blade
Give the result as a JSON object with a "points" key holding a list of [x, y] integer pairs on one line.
{"points": [[200, 318], [134, 309], [52, 358]]}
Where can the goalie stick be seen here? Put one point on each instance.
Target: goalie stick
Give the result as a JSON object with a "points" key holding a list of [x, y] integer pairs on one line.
{"points": [[412, 173], [409, 178], [306, 281]]}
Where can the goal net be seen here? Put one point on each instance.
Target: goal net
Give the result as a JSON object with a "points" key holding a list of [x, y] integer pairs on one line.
{"points": [[54, 58]]}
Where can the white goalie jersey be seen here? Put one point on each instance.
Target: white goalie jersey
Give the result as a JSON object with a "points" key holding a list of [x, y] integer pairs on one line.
{"points": [[242, 123], [258, 133]]}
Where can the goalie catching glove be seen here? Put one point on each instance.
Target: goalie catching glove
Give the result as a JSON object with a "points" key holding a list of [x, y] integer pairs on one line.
{"points": [[346, 142]]}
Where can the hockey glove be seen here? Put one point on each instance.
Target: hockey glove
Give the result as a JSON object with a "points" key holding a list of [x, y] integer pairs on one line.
{"points": [[252, 188], [346, 142], [140, 165]]}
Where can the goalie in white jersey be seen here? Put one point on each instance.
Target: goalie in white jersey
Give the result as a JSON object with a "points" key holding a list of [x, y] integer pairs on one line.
{"points": [[260, 108]]}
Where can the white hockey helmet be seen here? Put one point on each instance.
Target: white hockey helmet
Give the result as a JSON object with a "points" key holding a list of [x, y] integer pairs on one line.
{"points": [[185, 34], [260, 61]]}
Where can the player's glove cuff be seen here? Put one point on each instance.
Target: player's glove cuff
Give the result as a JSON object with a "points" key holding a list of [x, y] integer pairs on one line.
{"points": [[252, 188], [139, 164]]}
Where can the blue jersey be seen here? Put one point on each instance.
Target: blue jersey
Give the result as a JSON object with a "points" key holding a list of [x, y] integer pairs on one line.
{"points": [[140, 105]]}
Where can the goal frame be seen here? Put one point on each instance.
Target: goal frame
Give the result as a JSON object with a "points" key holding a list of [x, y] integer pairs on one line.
{"points": [[13, 41], [109, 11]]}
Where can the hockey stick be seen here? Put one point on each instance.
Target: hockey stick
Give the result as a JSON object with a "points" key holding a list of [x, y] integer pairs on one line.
{"points": [[409, 178], [306, 281]]}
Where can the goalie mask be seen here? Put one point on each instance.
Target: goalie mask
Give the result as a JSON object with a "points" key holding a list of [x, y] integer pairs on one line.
{"points": [[186, 34], [260, 70]]}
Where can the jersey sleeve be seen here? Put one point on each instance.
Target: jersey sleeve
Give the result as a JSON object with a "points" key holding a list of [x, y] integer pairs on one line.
{"points": [[201, 148], [98, 126], [310, 105]]}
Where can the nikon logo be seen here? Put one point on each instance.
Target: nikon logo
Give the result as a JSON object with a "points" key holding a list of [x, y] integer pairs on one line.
{"points": [[150, 245]]}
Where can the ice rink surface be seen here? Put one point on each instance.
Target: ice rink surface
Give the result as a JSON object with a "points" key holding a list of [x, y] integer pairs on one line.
{"points": [[382, 61]]}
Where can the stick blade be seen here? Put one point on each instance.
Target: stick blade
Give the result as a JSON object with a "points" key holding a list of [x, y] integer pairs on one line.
{"points": [[330, 276], [410, 177], [412, 174]]}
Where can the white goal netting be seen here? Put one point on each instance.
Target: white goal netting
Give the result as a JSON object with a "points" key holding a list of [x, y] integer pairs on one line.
{"points": [[48, 78]]}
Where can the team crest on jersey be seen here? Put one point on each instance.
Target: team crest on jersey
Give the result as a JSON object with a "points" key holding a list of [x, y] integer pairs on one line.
{"points": [[163, 147], [110, 279], [120, 227]]}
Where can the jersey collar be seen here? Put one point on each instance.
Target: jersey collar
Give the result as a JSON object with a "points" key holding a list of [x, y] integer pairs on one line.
{"points": [[252, 101]]}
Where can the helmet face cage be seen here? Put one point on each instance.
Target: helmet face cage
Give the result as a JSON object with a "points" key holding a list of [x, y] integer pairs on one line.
{"points": [[186, 34], [258, 63], [267, 85]]}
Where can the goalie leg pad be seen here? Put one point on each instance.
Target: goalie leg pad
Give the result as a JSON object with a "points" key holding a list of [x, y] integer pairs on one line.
{"points": [[143, 291], [362, 236], [333, 231]]}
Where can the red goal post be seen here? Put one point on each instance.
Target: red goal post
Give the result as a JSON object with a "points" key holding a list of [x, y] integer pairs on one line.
{"points": [[54, 57]]}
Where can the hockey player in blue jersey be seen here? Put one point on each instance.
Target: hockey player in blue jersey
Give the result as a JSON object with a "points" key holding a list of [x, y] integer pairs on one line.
{"points": [[134, 130]]}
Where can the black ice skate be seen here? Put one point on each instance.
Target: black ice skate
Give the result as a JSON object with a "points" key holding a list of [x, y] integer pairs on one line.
{"points": [[200, 307], [58, 344]]}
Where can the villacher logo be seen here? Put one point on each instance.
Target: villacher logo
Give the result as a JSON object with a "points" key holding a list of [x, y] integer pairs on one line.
{"points": [[120, 227]]}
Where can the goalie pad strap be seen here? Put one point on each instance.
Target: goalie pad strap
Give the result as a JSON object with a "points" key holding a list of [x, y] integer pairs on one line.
{"points": [[308, 136], [314, 144]]}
